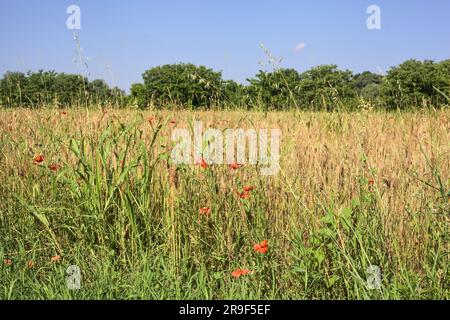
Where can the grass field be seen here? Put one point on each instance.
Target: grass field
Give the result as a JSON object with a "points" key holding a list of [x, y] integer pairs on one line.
{"points": [[95, 189]]}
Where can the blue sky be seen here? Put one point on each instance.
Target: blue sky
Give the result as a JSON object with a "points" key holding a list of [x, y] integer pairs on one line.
{"points": [[124, 38]]}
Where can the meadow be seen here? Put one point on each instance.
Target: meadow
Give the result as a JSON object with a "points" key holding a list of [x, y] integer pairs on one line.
{"points": [[96, 189]]}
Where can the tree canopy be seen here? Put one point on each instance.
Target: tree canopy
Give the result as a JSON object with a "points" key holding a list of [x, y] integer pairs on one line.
{"points": [[184, 84], [412, 84], [36, 89]]}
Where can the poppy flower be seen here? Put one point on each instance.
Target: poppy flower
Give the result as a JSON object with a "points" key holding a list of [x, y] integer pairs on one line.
{"points": [[371, 182], [38, 159], [63, 113], [235, 166], [205, 211], [202, 163], [244, 195], [30, 264], [173, 121], [56, 258], [7, 262], [53, 167], [248, 188], [240, 272], [151, 119], [262, 247]]}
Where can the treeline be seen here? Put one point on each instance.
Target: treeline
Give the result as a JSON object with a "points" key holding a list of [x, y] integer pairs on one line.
{"points": [[44, 88], [413, 84]]}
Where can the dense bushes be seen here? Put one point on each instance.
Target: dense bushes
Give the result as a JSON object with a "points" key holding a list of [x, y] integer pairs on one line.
{"points": [[409, 85]]}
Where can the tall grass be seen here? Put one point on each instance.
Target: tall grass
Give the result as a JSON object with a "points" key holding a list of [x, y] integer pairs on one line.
{"points": [[355, 190]]}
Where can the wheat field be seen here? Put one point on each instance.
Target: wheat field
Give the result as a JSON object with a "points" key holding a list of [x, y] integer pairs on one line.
{"points": [[96, 189]]}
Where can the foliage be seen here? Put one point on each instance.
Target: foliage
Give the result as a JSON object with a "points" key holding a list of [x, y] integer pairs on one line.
{"points": [[368, 84], [36, 89], [325, 86], [413, 84], [139, 95], [183, 84], [234, 93], [417, 83], [366, 78], [277, 90]]}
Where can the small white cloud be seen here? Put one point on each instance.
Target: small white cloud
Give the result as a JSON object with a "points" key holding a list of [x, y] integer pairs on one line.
{"points": [[299, 47]]}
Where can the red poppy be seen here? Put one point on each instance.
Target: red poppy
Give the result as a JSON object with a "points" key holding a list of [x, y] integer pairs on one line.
{"points": [[248, 188], [263, 250], [63, 113], [7, 262], [53, 167], [173, 121], [240, 272], [244, 195], [38, 159], [371, 182], [151, 119], [235, 166], [262, 247], [202, 163], [56, 258], [205, 211]]}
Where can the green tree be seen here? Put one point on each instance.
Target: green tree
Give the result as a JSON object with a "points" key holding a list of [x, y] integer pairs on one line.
{"points": [[184, 84], [277, 90], [362, 80], [442, 86], [234, 94], [100, 92], [139, 95], [324, 87], [70, 90], [43, 88], [416, 84], [12, 87]]}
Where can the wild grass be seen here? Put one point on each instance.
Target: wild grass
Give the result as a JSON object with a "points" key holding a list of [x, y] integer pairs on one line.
{"points": [[354, 190]]}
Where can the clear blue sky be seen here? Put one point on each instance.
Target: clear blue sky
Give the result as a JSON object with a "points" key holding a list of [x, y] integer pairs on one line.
{"points": [[135, 35]]}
